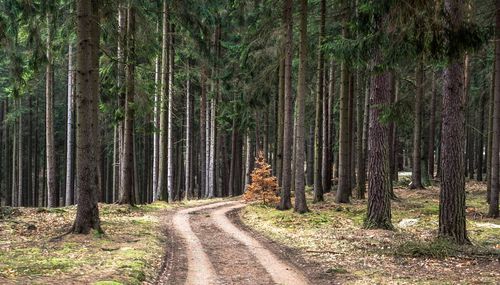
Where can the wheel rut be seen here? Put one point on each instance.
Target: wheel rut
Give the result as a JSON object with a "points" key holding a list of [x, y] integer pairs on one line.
{"points": [[218, 252]]}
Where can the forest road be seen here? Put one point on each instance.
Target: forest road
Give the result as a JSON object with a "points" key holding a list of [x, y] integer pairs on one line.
{"points": [[206, 247]]}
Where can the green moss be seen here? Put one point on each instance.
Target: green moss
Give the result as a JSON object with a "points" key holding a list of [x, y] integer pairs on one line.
{"points": [[337, 270]]}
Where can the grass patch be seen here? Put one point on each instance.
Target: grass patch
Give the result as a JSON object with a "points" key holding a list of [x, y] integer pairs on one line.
{"points": [[129, 252], [333, 234]]}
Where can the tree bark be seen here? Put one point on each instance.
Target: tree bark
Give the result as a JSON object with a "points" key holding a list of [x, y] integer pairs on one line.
{"points": [[188, 152], [161, 191], [318, 134], [285, 199], [300, 193], [343, 190], [69, 132], [170, 122], [53, 198], [379, 178], [495, 159], [416, 174], [452, 223], [127, 171], [87, 215], [432, 127]]}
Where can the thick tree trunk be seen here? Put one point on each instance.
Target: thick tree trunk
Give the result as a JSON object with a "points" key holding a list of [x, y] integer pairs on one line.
{"points": [[495, 159], [300, 193], [127, 160], [69, 132], [379, 177], [285, 199], [452, 222], [416, 172], [87, 216], [53, 198]]}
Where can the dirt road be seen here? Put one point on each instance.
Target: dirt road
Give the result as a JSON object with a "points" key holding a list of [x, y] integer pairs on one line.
{"points": [[206, 247]]}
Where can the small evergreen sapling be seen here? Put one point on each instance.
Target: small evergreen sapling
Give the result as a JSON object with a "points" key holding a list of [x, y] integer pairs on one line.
{"points": [[263, 186]]}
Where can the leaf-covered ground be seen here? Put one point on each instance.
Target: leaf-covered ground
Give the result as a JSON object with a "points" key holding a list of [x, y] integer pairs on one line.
{"points": [[331, 236], [130, 251]]}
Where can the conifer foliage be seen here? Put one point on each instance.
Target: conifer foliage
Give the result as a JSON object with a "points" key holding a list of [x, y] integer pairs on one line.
{"points": [[263, 186]]}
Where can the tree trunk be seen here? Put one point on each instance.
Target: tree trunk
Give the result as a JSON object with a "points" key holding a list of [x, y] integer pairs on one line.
{"points": [[87, 215], [69, 132], [310, 157], [280, 117], [318, 134], [127, 170], [170, 121], [416, 174], [188, 152], [203, 134], [156, 125], [53, 198], [343, 190], [161, 191], [363, 97], [285, 199], [490, 133], [432, 127], [300, 193], [480, 139], [495, 159], [379, 178], [452, 222]]}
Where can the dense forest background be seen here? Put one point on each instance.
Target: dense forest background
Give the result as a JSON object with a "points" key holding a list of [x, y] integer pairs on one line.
{"points": [[134, 101]]}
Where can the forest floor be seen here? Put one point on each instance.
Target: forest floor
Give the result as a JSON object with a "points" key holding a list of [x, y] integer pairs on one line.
{"points": [[130, 252], [332, 238]]}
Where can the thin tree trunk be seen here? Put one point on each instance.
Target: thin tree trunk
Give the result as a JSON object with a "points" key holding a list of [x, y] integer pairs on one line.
{"points": [[300, 193], [203, 134], [416, 174], [187, 155], [361, 164], [280, 117], [318, 135], [53, 198], [490, 133], [310, 157], [69, 132], [127, 160], [285, 199], [480, 139], [170, 122], [156, 124], [343, 190], [161, 191], [432, 127]]}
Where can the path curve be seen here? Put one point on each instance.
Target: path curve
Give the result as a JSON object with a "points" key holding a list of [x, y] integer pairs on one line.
{"points": [[203, 255]]}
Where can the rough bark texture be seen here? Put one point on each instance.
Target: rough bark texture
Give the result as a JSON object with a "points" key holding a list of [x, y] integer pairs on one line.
{"points": [[452, 197], [285, 201], [300, 191], [87, 215], [361, 164], [379, 178]]}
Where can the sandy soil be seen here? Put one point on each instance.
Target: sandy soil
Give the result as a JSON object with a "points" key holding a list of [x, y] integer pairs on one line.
{"points": [[207, 247]]}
